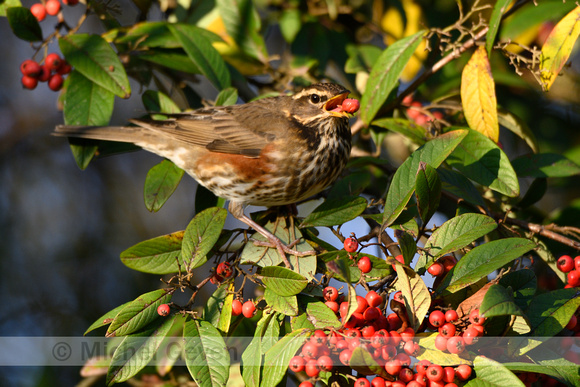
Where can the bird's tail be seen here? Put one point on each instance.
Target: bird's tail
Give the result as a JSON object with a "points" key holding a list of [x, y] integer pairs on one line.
{"points": [[107, 133]]}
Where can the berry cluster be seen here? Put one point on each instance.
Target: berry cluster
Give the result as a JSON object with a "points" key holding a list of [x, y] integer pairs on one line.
{"points": [[51, 71], [351, 246], [415, 112], [49, 7], [387, 339], [455, 334], [566, 264]]}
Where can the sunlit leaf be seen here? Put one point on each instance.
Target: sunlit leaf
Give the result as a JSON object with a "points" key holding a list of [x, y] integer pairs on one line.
{"points": [[545, 165], [478, 95], [200, 235], [278, 357], [161, 181], [156, 256], [283, 281], [498, 10], [335, 211]]}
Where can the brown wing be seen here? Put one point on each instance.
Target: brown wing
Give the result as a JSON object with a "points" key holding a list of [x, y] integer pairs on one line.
{"points": [[240, 129]]}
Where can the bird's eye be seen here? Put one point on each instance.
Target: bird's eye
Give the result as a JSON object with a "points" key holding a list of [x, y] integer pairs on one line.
{"points": [[314, 98]]}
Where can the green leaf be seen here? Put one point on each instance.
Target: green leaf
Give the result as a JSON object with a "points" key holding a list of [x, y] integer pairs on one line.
{"points": [[549, 312], [86, 103], [94, 58], [428, 191], [106, 319], [498, 301], [266, 256], [23, 23], [278, 357], [287, 305], [227, 97], [205, 353], [321, 315], [211, 309], [453, 235], [494, 21], [363, 363], [290, 23], [523, 284], [545, 165], [283, 281], [138, 313], [414, 132], [484, 162], [361, 58], [435, 356], [156, 101], [6, 4], [202, 54], [205, 199], [384, 76], [301, 322], [174, 59], [460, 186], [156, 34], [415, 292], [402, 186], [559, 368], [491, 373], [483, 260], [158, 255], [407, 244], [335, 211], [225, 317], [513, 123], [351, 185], [243, 24], [200, 235], [136, 351], [535, 192], [253, 355], [161, 181]]}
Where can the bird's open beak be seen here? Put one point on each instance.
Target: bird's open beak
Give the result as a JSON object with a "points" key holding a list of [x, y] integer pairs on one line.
{"points": [[334, 105]]}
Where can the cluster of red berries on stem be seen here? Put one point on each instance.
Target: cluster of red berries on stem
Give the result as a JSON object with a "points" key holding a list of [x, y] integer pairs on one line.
{"points": [[351, 246], [453, 337], [51, 71], [387, 339], [570, 266], [415, 112], [49, 7]]}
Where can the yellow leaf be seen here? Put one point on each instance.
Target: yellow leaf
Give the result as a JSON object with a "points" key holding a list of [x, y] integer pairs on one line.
{"points": [[558, 47], [392, 23], [478, 95]]}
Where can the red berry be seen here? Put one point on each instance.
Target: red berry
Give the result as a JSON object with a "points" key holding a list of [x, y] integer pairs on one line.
{"points": [[224, 269], [362, 382], [55, 82], [350, 105], [64, 68], [411, 348], [30, 68], [380, 338], [572, 323], [437, 318], [414, 113], [394, 321], [577, 262], [448, 374], [398, 296], [388, 352], [471, 335], [248, 309], [163, 310], [38, 11], [404, 359], [311, 368], [422, 366], [447, 330], [53, 61], [325, 363], [463, 372], [435, 373], [448, 262], [345, 356], [296, 364], [456, 344], [333, 305], [305, 383], [400, 259], [574, 278], [236, 307], [393, 367], [371, 314], [52, 7], [565, 263], [395, 338], [44, 74], [330, 293], [436, 269], [421, 379], [378, 382], [70, 2], [368, 332], [29, 82], [406, 375], [408, 334], [441, 342], [309, 349], [364, 264], [373, 299], [475, 318], [350, 245], [319, 338], [451, 316], [362, 304]]}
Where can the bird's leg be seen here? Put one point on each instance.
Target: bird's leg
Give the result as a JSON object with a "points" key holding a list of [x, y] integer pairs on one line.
{"points": [[237, 211]]}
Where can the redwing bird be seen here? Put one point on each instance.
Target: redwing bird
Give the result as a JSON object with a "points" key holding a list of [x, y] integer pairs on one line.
{"points": [[269, 152]]}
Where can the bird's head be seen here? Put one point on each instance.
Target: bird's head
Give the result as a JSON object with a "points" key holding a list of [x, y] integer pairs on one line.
{"points": [[320, 101]]}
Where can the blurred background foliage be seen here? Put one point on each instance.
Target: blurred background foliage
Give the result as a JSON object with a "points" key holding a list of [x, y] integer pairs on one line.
{"points": [[63, 229]]}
